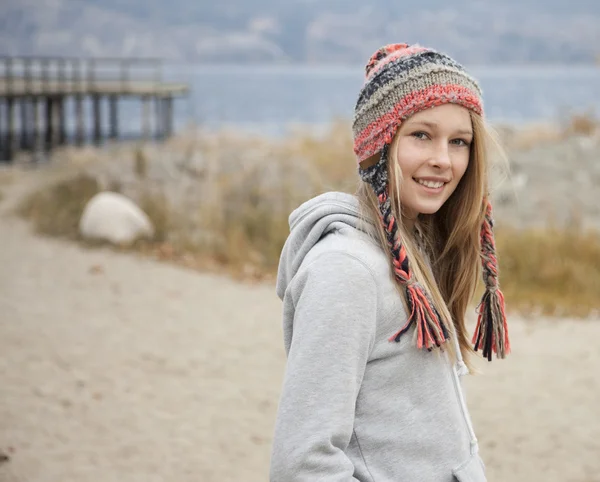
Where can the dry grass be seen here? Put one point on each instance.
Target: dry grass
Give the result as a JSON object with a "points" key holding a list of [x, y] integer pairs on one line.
{"points": [[582, 124], [248, 187], [550, 270], [57, 210], [157, 207], [140, 166], [330, 158], [248, 223], [6, 179], [246, 204], [535, 135]]}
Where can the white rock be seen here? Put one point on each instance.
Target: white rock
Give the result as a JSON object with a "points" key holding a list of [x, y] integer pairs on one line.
{"points": [[115, 218]]}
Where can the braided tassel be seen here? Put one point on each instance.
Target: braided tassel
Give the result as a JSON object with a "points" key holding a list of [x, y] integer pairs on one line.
{"points": [[491, 332], [431, 331]]}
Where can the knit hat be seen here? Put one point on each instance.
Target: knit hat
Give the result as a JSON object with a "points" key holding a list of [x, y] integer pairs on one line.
{"points": [[400, 81]]}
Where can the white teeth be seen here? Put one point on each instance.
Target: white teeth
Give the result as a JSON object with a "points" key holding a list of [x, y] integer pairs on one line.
{"points": [[431, 184]]}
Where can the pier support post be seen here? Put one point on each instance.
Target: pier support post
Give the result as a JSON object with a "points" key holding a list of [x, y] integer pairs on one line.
{"points": [[97, 119], [24, 134], [114, 116], [79, 121], [49, 126], [37, 136], [2, 135], [10, 128], [168, 116], [158, 116], [55, 122], [61, 120], [146, 120]]}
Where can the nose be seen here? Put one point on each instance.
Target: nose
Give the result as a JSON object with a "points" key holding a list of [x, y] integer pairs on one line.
{"points": [[441, 157]]}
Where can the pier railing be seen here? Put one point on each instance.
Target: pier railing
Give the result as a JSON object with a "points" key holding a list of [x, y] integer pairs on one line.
{"points": [[65, 75]]}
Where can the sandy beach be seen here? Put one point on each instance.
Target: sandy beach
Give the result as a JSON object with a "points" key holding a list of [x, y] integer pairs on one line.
{"points": [[114, 367]]}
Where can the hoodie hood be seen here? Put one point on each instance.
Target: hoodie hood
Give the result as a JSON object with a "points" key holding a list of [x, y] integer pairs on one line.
{"points": [[311, 221]]}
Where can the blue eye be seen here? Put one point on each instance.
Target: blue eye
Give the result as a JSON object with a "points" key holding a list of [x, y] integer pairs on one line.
{"points": [[420, 135], [460, 142]]}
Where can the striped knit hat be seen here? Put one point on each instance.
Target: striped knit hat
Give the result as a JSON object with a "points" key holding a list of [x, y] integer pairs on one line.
{"points": [[400, 81]]}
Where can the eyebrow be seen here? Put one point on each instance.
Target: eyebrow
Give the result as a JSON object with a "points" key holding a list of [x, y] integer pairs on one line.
{"points": [[433, 126]]}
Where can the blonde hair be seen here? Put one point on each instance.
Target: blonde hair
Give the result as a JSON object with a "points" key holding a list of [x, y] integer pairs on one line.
{"points": [[447, 261]]}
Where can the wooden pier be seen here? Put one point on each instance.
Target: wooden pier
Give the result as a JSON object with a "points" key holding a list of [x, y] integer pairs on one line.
{"points": [[36, 91]]}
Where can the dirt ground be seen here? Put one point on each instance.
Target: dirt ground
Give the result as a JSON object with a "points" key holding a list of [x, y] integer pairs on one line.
{"points": [[119, 368]]}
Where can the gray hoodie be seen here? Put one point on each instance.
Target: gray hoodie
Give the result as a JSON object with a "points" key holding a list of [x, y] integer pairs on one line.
{"points": [[354, 405]]}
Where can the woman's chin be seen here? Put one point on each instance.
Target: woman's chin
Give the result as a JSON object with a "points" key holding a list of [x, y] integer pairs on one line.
{"points": [[427, 208]]}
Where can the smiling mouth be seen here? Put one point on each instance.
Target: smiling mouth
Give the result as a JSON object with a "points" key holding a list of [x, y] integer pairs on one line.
{"points": [[430, 184]]}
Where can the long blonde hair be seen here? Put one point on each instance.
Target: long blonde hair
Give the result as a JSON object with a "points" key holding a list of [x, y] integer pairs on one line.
{"points": [[447, 260]]}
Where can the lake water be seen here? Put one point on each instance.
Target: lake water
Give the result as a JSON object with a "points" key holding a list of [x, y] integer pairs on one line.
{"points": [[270, 98], [267, 99]]}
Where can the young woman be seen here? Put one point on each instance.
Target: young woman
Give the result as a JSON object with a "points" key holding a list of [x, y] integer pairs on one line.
{"points": [[375, 288]]}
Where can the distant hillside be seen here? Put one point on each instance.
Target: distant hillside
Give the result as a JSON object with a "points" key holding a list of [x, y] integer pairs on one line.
{"points": [[316, 31]]}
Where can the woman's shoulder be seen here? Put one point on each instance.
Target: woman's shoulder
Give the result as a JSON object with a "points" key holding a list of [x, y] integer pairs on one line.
{"points": [[353, 268], [352, 245]]}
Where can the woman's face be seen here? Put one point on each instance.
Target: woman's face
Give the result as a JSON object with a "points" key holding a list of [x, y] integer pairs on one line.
{"points": [[433, 154]]}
